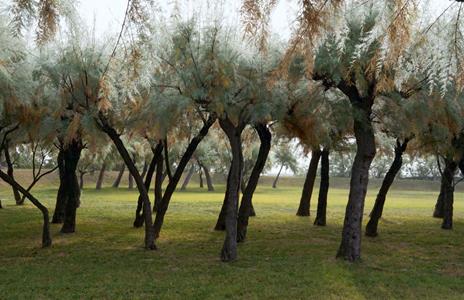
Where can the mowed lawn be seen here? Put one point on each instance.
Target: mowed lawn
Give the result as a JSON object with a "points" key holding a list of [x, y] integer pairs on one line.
{"points": [[284, 256]]}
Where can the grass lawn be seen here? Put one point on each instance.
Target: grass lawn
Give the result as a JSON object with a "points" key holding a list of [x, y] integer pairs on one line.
{"points": [[284, 257]]}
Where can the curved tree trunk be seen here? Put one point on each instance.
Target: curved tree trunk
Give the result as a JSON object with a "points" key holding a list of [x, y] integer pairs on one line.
{"points": [[117, 181], [376, 214], [246, 206], [305, 200], [448, 196], [229, 249], [10, 172], [101, 176], [323, 190], [61, 196], [46, 238], [350, 247], [174, 180], [139, 214], [158, 189], [274, 184], [187, 178], [71, 155], [115, 137], [438, 210], [221, 221]]}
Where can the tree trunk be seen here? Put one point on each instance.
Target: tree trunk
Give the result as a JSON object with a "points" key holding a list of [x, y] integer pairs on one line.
{"points": [[229, 249], [1, 204], [305, 200], [448, 196], [10, 172], [171, 187], [246, 206], [187, 178], [158, 189], [131, 181], [438, 211], [323, 190], [115, 137], [350, 247], [81, 180], [61, 196], [200, 175], [117, 181], [209, 181], [274, 184], [376, 214], [221, 221], [144, 169], [101, 175], [46, 238], [71, 155], [139, 214]]}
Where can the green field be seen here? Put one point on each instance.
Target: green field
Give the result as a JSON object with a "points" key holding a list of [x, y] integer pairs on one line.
{"points": [[284, 257]]}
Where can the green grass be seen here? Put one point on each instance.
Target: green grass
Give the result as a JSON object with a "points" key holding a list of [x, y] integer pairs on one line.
{"points": [[284, 257]]}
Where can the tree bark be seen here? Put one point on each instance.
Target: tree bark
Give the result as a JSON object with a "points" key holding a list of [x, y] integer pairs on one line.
{"points": [[114, 136], [46, 238], [350, 247], [448, 196], [305, 200], [101, 176], [117, 181], [209, 181], [221, 221], [187, 178], [10, 172], [376, 214], [139, 214], [274, 184], [246, 206], [131, 181], [58, 215], [174, 180], [81, 180], [158, 189], [71, 155], [229, 249], [144, 169], [438, 211], [323, 190], [200, 175]]}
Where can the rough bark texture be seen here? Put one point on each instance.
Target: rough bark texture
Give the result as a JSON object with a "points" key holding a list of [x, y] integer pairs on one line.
{"points": [[101, 176], [448, 195], [117, 181], [46, 238], [71, 156], [305, 200], [174, 180], [10, 172], [438, 211], [115, 137], [246, 206], [229, 249], [187, 178], [376, 214], [274, 184], [350, 247], [323, 190], [58, 215], [139, 215]]}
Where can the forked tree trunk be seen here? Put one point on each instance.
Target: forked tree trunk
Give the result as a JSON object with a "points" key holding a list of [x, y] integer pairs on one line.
{"points": [[350, 247], [305, 200], [115, 137], [323, 190], [187, 178], [117, 181], [71, 156], [246, 206], [158, 189], [171, 187], [229, 249], [438, 210], [274, 184], [209, 181], [448, 196], [46, 238], [139, 214], [10, 172], [61, 196], [376, 214], [101, 176]]}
